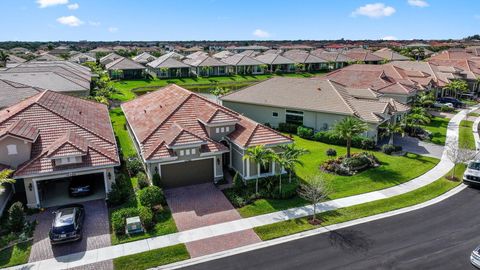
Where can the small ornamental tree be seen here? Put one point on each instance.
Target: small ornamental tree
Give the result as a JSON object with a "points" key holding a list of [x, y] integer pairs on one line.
{"points": [[458, 154], [314, 192]]}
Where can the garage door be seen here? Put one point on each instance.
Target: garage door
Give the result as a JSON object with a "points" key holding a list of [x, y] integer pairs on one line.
{"points": [[187, 173]]}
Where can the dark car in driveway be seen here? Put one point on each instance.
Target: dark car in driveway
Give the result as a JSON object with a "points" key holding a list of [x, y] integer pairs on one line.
{"points": [[80, 186], [455, 102], [67, 224]]}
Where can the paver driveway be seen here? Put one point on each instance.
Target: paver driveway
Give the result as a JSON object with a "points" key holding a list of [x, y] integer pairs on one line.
{"points": [[96, 234], [203, 205]]}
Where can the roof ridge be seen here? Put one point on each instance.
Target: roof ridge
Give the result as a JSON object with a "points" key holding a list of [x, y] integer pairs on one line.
{"points": [[342, 97]]}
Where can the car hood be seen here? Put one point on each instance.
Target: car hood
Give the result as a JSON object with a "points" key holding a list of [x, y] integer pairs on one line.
{"points": [[472, 172]]}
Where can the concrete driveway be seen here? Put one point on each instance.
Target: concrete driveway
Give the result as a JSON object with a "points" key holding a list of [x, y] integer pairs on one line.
{"points": [[203, 205], [96, 234]]}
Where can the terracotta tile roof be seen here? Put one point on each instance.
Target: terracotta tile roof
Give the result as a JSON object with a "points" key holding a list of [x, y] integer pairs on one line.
{"points": [[363, 56], [169, 60], [241, 60], [21, 129], [123, 64], [274, 59], [303, 57], [390, 55], [204, 61], [152, 117], [61, 118]]}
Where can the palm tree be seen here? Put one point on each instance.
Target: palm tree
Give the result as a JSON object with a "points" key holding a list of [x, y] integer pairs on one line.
{"points": [[391, 129], [457, 85], [418, 116], [292, 154], [5, 177], [260, 155], [348, 128], [425, 100], [4, 58], [282, 160]]}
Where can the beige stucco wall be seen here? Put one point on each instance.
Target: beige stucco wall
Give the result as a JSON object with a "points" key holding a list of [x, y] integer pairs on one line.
{"points": [[23, 151]]}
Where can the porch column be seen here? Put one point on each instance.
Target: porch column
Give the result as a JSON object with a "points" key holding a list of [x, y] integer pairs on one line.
{"points": [[35, 190]]}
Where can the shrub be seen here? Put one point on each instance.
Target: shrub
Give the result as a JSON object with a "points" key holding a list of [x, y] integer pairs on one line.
{"points": [[331, 152], [398, 148], [120, 192], [142, 180], [330, 137], [288, 128], [289, 190], [388, 149], [134, 165], [146, 217], [16, 217], [447, 109], [238, 201], [238, 181], [305, 132], [119, 217], [151, 196], [156, 180]]}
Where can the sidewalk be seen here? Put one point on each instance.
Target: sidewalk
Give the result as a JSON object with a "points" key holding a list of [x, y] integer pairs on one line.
{"points": [[108, 253]]}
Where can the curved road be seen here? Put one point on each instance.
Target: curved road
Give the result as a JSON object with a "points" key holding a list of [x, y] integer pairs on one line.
{"points": [[440, 236]]}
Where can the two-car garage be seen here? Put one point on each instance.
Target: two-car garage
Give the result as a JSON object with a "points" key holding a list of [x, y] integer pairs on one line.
{"points": [[187, 173]]}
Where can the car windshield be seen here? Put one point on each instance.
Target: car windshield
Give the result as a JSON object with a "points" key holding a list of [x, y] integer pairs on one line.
{"points": [[63, 229], [474, 166]]}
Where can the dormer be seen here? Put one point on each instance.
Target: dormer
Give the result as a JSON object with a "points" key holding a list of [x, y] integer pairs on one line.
{"points": [[183, 143], [16, 143], [68, 149], [218, 123]]}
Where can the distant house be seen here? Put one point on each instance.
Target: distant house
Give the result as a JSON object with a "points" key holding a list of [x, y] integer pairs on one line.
{"points": [[51, 139], [14, 60], [242, 64], [334, 59], [223, 54], [277, 62], [81, 58], [60, 50], [169, 66], [310, 61], [48, 57], [109, 58], [19, 50], [314, 102], [124, 68], [196, 54], [187, 139], [250, 53], [144, 58], [11, 92], [390, 55], [256, 48], [363, 56], [207, 66]]}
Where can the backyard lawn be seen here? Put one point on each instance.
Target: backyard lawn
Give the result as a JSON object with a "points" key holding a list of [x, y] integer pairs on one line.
{"points": [[420, 195], [438, 128], [125, 142], [18, 254], [394, 170], [465, 136], [152, 258]]}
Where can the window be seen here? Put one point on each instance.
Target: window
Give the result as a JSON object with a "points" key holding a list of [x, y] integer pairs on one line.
{"points": [[194, 151], [66, 160], [187, 152], [227, 129], [217, 130], [12, 149], [275, 114], [222, 129], [182, 153], [294, 117]]}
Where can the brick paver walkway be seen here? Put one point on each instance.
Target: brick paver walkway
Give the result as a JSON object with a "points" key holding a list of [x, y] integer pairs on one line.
{"points": [[203, 205], [96, 234]]}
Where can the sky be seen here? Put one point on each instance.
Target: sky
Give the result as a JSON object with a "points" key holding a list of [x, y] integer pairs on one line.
{"points": [[152, 20]]}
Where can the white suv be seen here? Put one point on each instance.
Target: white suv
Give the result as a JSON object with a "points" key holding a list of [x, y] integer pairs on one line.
{"points": [[472, 174]]}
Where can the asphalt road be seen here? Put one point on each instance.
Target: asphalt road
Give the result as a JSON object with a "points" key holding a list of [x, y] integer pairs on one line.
{"points": [[436, 237]]}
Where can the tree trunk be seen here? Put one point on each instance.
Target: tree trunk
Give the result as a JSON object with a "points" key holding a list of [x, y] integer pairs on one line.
{"points": [[280, 184], [314, 212], [258, 176], [349, 143], [289, 176], [453, 171], [391, 139]]}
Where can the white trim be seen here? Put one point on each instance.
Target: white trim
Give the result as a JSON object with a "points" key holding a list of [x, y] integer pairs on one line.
{"points": [[35, 191], [105, 182], [59, 173]]}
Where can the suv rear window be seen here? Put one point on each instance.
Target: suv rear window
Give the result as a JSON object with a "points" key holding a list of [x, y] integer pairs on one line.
{"points": [[474, 166]]}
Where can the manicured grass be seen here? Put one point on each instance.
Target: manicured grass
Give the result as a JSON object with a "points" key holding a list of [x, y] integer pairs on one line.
{"points": [[420, 195], [438, 128], [394, 170], [465, 135], [119, 127], [473, 114], [152, 258], [125, 87], [15, 255], [469, 102], [165, 225]]}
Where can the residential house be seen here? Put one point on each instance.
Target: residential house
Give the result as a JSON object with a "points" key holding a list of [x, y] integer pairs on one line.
{"points": [[169, 66], [125, 68], [250, 53], [277, 62], [388, 54], [81, 58], [257, 48], [48, 57], [363, 56], [11, 92], [196, 54], [313, 102], [51, 139], [309, 61], [188, 139], [19, 50], [206, 66], [14, 60], [107, 59], [57, 51], [335, 60], [144, 58], [223, 54], [242, 64]]}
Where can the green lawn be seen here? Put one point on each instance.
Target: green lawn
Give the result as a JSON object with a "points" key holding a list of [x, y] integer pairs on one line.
{"points": [[438, 128], [473, 114], [119, 126], [152, 258], [394, 170], [420, 195], [125, 87], [465, 135], [15, 255]]}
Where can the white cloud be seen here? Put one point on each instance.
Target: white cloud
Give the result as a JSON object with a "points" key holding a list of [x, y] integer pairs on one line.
{"points": [[70, 20], [376, 10], [261, 33], [389, 38], [418, 3], [92, 23], [73, 6], [49, 3], [112, 29]]}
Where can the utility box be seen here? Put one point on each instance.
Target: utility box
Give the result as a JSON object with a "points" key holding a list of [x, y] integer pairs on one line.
{"points": [[133, 225]]}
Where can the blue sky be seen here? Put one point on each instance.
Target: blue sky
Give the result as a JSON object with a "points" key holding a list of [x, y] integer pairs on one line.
{"points": [[44, 20]]}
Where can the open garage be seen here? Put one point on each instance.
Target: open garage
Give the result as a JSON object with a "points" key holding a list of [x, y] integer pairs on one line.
{"points": [[55, 192], [187, 173]]}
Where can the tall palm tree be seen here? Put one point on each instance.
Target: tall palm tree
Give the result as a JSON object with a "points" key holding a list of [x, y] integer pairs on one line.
{"points": [[348, 128], [5, 177], [260, 156], [391, 129], [417, 116], [292, 154]]}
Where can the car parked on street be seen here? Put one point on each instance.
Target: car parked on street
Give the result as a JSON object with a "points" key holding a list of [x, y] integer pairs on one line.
{"points": [[456, 103], [67, 224], [472, 175], [440, 105], [80, 186], [475, 257]]}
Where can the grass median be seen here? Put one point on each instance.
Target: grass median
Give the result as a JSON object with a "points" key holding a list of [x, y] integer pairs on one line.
{"points": [[417, 196], [465, 135], [152, 258]]}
